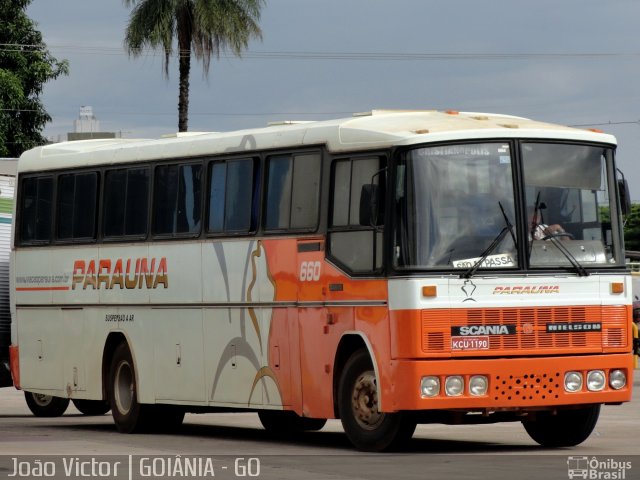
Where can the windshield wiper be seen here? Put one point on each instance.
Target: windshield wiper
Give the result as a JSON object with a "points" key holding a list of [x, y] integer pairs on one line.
{"points": [[508, 225], [496, 241]]}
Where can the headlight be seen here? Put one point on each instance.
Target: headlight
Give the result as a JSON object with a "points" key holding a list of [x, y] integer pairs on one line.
{"points": [[617, 379], [596, 380], [429, 386], [454, 386], [478, 385], [573, 381]]}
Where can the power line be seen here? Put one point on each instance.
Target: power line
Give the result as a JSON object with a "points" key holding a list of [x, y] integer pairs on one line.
{"points": [[637, 122], [307, 55]]}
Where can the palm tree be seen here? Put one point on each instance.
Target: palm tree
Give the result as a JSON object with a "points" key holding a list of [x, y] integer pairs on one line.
{"points": [[204, 27]]}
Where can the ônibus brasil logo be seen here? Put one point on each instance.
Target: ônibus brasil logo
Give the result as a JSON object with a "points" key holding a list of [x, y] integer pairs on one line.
{"points": [[595, 468]]}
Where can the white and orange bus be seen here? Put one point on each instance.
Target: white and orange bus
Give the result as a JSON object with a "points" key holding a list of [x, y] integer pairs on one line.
{"points": [[390, 269]]}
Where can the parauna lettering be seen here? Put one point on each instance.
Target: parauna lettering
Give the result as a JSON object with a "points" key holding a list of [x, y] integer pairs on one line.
{"points": [[130, 273]]}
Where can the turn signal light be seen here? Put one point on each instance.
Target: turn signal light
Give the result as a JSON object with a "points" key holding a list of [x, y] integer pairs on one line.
{"points": [[429, 291], [617, 287]]}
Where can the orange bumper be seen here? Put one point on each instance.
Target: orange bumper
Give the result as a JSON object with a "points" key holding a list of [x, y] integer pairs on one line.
{"points": [[514, 383]]}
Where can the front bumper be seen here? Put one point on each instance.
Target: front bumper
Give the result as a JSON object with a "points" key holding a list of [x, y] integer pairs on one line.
{"points": [[514, 383]]}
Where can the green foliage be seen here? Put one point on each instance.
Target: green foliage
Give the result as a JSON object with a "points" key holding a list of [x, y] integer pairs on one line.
{"points": [[201, 27], [631, 226], [632, 229], [25, 66]]}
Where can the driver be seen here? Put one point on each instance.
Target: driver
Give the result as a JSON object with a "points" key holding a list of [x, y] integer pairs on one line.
{"points": [[540, 230]]}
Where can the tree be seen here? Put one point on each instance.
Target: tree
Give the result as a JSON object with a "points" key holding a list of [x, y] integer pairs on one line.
{"points": [[631, 226], [204, 27], [25, 66], [632, 229]]}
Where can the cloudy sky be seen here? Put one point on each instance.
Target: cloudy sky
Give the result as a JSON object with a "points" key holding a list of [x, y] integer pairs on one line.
{"points": [[575, 62]]}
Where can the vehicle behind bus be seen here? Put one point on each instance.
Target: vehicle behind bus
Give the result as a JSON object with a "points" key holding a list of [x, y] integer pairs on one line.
{"points": [[7, 185]]}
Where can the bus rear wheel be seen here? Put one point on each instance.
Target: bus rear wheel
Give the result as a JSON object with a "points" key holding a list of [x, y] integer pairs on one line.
{"points": [[367, 428], [128, 415], [287, 422], [91, 407], [566, 428], [46, 405]]}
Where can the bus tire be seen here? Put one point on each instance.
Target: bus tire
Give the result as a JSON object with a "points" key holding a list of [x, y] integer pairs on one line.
{"points": [[565, 429], [46, 405], [128, 415], [91, 407], [367, 428], [166, 418], [288, 421]]}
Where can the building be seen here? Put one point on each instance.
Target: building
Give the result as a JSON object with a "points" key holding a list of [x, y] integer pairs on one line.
{"points": [[87, 126]]}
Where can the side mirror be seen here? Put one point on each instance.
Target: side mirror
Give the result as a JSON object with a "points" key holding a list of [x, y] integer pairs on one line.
{"points": [[369, 211], [625, 196]]}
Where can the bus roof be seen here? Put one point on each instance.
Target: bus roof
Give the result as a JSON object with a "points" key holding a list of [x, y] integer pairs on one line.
{"points": [[370, 130]]}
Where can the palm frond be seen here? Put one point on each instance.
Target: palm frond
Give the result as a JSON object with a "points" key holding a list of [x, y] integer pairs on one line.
{"points": [[224, 25], [204, 27], [152, 25]]}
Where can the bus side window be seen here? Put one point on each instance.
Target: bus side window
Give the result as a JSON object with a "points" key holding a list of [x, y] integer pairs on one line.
{"points": [[126, 202], [232, 196], [35, 210], [357, 247], [177, 199], [278, 205], [293, 192], [76, 204]]}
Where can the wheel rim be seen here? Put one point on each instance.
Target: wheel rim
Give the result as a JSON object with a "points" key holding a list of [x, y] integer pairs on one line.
{"points": [[364, 402], [42, 400], [123, 388]]}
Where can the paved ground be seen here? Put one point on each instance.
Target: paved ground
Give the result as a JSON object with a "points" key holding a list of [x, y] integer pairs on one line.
{"points": [[237, 445]]}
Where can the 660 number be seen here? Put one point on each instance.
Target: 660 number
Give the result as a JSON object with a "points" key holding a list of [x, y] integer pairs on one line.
{"points": [[310, 271]]}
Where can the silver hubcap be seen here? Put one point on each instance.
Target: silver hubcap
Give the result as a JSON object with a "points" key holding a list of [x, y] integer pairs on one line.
{"points": [[123, 388], [364, 402], [42, 400]]}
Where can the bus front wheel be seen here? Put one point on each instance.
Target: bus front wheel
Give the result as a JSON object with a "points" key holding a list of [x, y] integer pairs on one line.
{"points": [[366, 427], [566, 428], [128, 415], [46, 405]]}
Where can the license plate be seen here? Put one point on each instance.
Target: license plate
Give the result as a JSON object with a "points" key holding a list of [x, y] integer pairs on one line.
{"points": [[470, 343]]}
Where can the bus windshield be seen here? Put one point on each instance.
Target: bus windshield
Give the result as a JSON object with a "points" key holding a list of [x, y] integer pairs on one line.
{"points": [[567, 199], [455, 207]]}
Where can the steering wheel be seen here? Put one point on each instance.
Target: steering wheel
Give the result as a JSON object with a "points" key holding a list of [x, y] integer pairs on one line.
{"points": [[558, 234]]}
